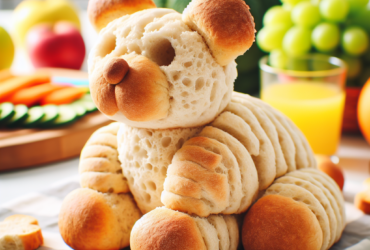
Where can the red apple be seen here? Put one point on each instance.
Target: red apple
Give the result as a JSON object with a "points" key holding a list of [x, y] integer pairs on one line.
{"points": [[58, 46]]}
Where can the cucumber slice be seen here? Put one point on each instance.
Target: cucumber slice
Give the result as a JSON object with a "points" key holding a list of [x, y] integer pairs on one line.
{"points": [[67, 115], [35, 114], [21, 113], [51, 113], [80, 110], [88, 105], [86, 97], [7, 112]]}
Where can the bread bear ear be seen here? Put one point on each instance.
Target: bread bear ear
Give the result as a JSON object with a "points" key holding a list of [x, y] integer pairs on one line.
{"points": [[102, 12], [227, 26]]}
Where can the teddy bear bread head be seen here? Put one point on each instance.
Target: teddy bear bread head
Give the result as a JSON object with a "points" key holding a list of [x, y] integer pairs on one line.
{"points": [[157, 69]]}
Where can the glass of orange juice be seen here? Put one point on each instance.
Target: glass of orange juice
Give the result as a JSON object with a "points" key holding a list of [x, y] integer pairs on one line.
{"points": [[311, 93]]}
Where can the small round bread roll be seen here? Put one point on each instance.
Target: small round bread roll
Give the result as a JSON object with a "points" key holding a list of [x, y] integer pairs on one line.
{"points": [[102, 12], [165, 229], [277, 222], [20, 232], [226, 26], [92, 220], [362, 201]]}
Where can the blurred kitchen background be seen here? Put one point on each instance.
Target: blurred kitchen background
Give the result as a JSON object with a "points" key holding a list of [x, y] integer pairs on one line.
{"points": [[11, 4]]}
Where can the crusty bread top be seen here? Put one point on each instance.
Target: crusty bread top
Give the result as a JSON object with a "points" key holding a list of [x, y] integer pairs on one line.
{"points": [[227, 26], [165, 229], [102, 12], [276, 222]]}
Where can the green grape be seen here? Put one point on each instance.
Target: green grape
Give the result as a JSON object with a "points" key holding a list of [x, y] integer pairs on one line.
{"points": [[292, 2], [278, 59], [277, 15], [306, 14], [334, 10], [325, 37], [297, 41], [356, 6], [354, 65], [271, 37], [361, 19], [354, 41], [297, 64]]}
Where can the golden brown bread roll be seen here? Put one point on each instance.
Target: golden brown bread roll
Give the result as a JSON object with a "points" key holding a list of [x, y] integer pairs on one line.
{"points": [[92, 220], [277, 222], [166, 229], [20, 232], [102, 12], [226, 26]]}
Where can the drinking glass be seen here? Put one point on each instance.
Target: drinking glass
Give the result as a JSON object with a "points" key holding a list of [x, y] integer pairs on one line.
{"points": [[311, 93]]}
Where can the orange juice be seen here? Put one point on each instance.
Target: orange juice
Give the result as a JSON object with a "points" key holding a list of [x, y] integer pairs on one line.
{"points": [[317, 109]]}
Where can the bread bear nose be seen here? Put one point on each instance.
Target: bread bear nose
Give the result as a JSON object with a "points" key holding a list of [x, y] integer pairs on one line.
{"points": [[115, 70]]}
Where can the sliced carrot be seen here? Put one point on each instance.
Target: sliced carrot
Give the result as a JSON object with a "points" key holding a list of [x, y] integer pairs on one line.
{"points": [[63, 96], [10, 86], [32, 95], [5, 74]]}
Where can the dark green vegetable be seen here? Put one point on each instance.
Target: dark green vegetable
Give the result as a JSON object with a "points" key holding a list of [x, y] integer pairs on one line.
{"points": [[7, 112], [21, 113]]}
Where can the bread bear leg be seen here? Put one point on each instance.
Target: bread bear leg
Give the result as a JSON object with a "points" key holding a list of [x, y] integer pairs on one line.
{"points": [[102, 213]]}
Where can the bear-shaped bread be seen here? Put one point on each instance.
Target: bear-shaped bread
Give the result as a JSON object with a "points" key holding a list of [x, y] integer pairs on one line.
{"points": [[198, 87]]}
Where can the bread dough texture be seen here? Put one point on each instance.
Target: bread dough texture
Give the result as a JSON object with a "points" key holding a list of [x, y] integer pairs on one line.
{"points": [[198, 87]]}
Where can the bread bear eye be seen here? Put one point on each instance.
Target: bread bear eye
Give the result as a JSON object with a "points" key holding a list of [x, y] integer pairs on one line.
{"points": [[161, 52]]}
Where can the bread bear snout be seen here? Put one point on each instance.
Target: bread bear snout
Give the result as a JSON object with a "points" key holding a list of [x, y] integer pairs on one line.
{"points": [[115, 70], [133, 85]]}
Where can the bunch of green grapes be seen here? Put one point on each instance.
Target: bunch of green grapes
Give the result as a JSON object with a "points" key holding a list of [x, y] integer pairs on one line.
{"points": [[334, 27]]}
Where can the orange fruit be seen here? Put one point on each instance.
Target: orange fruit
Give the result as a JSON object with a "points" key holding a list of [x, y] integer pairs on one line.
{"points": [[363, 111], [334, 171]]}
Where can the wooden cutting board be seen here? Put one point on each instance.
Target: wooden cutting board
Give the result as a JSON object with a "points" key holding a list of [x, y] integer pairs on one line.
{"points": [[22, 148]]}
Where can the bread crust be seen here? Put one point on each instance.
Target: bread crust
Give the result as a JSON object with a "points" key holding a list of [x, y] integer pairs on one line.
{"points": [[92, 220], [102, 12], [142, 95], [84, 220], [22, 230], [165, 229], [115, 70], [227, 26], [276, 222]]}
